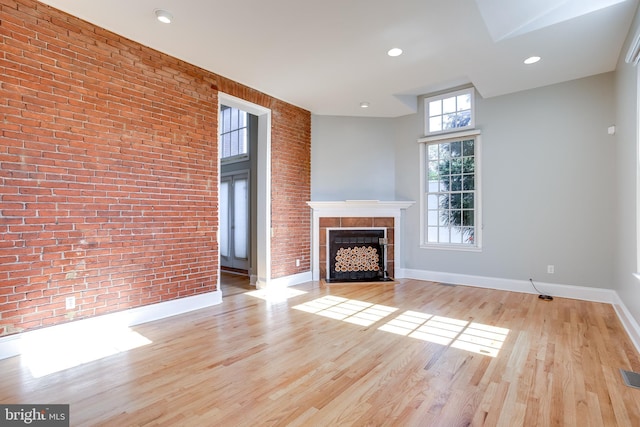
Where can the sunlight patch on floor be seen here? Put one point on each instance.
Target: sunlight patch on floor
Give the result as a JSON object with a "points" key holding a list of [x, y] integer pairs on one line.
{"points": [[275, 294], [348, 310], [483, 339], [45, 352], [461, 334]]}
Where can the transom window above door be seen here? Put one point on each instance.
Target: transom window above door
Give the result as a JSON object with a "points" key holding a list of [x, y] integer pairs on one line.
{"points": [[233, 126]]}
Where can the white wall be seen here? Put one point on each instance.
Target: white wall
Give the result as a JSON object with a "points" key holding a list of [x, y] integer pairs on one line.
{"points": [[626, 283], [548, 182], [547, 179], [352, 158]]}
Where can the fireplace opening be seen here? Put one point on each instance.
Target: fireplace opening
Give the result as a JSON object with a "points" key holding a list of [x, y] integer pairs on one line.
{"points": [[356, 255]]}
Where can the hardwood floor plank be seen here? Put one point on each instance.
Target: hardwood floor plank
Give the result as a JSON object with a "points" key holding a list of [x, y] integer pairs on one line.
{"points": [[425, 361], [496, 403]]}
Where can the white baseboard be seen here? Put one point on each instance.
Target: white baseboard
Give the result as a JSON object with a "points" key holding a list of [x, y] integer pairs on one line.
{"points": [[584, 293], [513, 285], [629, 323], [294, 279], [10, 345]]}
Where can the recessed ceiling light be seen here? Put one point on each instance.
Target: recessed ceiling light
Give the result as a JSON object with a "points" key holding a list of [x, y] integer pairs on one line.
{"points": [[532, 60], [394, 52], [163, 16], [364, 105]]}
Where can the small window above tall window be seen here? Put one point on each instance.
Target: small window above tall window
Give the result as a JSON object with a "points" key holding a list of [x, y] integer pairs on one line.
{"points": [[449, 112]]}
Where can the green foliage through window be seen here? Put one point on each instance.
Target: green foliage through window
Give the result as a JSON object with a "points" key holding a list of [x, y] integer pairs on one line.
{"points": [[451, 192], [449, 112]]}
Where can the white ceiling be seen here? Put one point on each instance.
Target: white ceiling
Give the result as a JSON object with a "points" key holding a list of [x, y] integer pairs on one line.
{"points": [[328, 56]]}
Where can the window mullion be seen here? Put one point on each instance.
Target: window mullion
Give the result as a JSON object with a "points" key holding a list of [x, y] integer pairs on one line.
{"points": [[451, 197]]}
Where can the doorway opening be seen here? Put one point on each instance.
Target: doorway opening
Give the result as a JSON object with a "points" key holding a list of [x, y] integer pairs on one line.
{"points": [[238, 143], [245, 187]]}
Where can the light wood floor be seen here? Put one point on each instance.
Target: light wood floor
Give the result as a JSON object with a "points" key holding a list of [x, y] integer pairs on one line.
{"points": [[271, 361], [232, 284]]}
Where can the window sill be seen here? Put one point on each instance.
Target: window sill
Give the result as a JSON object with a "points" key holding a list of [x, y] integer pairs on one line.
{"points": [[459, 248]]}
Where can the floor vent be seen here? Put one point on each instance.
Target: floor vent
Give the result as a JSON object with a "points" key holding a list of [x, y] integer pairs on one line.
{"points": [[632, 379]]}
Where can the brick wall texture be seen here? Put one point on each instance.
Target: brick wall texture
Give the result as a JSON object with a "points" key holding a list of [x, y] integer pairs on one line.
{"points": [[109, 172]]}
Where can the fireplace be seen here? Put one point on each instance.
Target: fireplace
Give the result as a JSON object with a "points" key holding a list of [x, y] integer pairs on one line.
{"points": [[356, 214], [356, 255]]}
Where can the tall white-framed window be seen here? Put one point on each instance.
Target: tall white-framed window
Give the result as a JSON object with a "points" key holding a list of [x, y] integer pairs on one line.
{"points": [[449, 112], [450, 200]]}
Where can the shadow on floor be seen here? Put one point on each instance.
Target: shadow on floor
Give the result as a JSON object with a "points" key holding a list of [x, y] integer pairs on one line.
{"points": [[233, 284]]}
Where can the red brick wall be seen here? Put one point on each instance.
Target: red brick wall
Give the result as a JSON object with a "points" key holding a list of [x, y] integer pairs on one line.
{"points": [[291, 189], [108, 171]]}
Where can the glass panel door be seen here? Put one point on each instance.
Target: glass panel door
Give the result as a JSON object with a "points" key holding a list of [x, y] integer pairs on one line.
{"points": [[241, 217], [234, 220], [224, 217]]}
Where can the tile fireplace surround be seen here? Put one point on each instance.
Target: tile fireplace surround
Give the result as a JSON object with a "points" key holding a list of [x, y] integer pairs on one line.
{"points": [[356, 214]]}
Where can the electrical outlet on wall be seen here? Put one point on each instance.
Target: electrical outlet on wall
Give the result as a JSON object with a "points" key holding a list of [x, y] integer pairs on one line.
{"points": [[70, 303], [551, 269], [298, 263]]}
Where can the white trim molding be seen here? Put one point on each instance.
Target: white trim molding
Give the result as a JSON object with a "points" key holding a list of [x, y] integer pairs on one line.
{"points": [[294, 279], [633, 54], [514, 285], [628, 322], [11, 345]]}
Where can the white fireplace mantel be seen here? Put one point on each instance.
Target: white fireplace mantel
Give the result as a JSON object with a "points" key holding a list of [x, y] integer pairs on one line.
{"points": [[356, 208]]}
